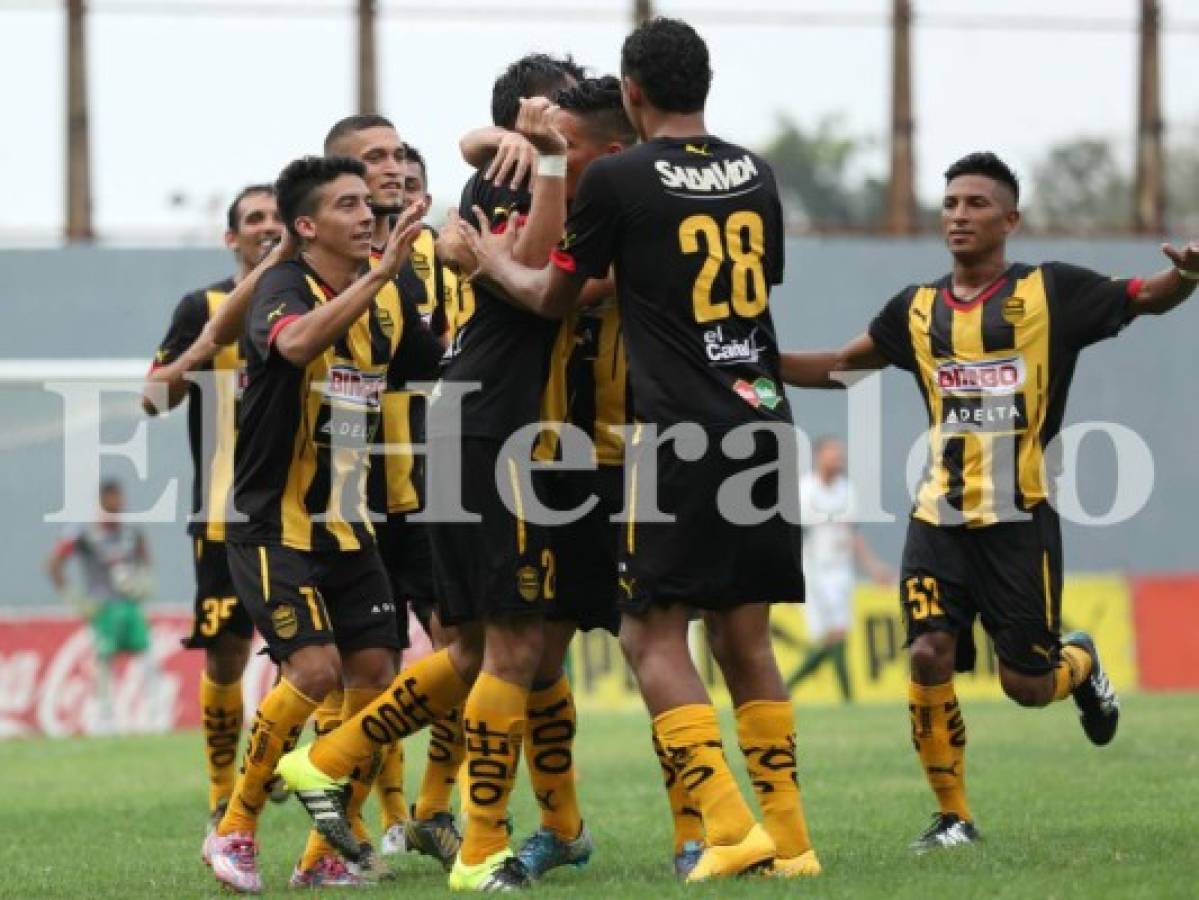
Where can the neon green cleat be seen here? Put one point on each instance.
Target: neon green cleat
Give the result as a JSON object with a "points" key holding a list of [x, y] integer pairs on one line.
{"points": [[322, 798], [502, 871]]}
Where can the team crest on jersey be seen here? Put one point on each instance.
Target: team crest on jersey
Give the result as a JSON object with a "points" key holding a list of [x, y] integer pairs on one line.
{"points": [[990, 376], [386, 324], [1013, 310], [528, 583], [420, 263], [284, 621]]}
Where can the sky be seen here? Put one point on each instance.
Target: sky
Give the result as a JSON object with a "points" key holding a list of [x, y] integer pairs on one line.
{"points": [[189, 105]]}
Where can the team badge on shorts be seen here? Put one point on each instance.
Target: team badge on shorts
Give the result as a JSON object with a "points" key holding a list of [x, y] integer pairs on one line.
{"points": [[283, 620], [528, 583]]}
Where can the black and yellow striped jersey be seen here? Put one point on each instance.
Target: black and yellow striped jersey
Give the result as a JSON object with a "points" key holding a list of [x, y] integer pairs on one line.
{"points": [[211, 418], [994, 373], [302, 453], [588, 383]]}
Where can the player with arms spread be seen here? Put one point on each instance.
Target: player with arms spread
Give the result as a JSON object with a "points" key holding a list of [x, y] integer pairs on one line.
{"points": [[693, 226], [992, 346]]}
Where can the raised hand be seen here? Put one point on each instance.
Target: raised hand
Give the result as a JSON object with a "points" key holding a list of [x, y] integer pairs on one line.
{"points": [[536, 122], [514, 159], [490, 248], [1186, 259], [404, 233]]}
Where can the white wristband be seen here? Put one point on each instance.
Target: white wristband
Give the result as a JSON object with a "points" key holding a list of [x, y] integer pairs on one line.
{"points": [[1187, 274], [551, 166]]}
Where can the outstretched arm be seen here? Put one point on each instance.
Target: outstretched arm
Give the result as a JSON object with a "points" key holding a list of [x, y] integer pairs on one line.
{"points": [[814, 369], [508, 156], [1162, 292]]}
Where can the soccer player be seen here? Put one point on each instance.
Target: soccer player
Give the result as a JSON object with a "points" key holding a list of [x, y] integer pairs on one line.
{"points": [[396, 179], [694, 228], [831, 546], [489, 579], [221, 625], [992, 346], [320, 336], [114, 561]]}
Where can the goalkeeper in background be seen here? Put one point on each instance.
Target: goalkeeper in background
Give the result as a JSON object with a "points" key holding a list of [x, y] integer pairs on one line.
{"points": [[115, 567]]}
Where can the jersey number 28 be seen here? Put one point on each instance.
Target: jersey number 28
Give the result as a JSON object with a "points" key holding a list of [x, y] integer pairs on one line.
{"points": [[741, 242]]}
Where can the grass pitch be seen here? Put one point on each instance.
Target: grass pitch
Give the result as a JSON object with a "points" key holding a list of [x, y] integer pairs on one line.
{"points": [[124, 817]]}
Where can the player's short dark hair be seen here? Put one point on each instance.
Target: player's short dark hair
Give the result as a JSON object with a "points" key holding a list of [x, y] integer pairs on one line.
{"points": [[352, 125], [989, 165], [669, 61], [534, 75], [299, 182], [233, 214], [411, 154], [597, 101]]}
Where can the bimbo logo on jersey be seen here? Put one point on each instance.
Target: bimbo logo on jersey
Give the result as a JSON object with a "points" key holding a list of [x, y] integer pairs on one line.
{"points": [[349, 384], [992, 376], [721, 175]]}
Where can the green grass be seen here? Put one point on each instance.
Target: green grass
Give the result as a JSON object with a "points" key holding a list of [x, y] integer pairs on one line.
{"points": [[123, 817]]}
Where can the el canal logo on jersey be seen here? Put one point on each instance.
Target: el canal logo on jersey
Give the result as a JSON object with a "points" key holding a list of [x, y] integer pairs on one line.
{"points": [[992, 376], [725, 349], [719, 175]]}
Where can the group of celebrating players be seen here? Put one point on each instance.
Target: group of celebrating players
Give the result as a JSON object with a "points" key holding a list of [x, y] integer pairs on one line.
{"points": [[607, 277]]}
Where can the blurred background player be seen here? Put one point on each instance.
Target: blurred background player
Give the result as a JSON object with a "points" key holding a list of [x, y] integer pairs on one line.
{"points": [[114, 566], [993, 347], [831, 546], [221, 625]]}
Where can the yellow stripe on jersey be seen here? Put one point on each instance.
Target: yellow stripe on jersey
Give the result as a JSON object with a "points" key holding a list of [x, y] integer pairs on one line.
{"points": [[521, 538], [458, 297], [1001, 461], [554, 397], [611, 387], [226, 365], [399, 465], [424, 263]]}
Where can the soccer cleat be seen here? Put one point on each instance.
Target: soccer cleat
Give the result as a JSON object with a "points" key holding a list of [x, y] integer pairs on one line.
{"points": [[754, 853], [214, 819], [543, 850], [502, 871], [946, 830], [371, 865], [322, 798], [328, 871], [1098, 706], [437, 837], [805, 865], [394, 840], [687, 857], [234, 861]]}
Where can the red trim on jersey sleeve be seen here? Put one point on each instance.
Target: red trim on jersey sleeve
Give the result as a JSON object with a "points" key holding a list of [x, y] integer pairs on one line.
{"points": [[277, 327], [1134, 287], [563, 261]]}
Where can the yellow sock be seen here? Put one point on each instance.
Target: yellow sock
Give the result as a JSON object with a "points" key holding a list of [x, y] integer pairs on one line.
{"points": [[446, 752], [939, 733], [688, 823], [690, 735], [492, 722], [766, 733], [277, 725], [362, 778], [221, 712], [325, 720], [421, 693], [1072, 670], [389, 787], [549, 751]]}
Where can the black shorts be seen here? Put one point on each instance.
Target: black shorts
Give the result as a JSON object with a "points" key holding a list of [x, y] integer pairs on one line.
{"points": [[498, 568], [404, 546], [1009, 575], [299, 598], [702, 559], [584, 582], [217, 610]]}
